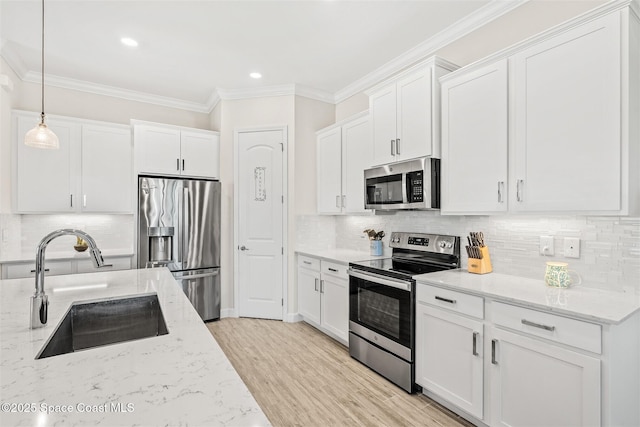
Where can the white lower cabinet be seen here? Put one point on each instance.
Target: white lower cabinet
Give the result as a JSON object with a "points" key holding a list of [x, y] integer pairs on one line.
{"points": [[21, 270], [323, 296], [534, 383]]}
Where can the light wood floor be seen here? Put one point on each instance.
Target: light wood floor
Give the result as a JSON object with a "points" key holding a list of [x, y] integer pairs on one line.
{"points": [[301, 377]]}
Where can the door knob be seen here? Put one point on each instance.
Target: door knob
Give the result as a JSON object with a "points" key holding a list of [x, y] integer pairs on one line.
{"points": [[244, 248]]}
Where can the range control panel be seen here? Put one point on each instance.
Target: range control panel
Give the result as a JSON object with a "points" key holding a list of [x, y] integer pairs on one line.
{"points": [[436, 243]]}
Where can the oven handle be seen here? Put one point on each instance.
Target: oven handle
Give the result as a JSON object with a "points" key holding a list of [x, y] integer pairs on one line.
{"points": [[376, 278]]}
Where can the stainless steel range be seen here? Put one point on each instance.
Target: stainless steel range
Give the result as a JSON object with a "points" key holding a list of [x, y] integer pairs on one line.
{"points": [[382, 302]]}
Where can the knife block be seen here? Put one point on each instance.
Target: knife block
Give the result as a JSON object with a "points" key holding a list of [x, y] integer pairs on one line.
{"points": [[480, 266]]}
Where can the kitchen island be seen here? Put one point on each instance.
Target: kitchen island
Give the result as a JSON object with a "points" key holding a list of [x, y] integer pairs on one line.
{"points": [[182, 378]]}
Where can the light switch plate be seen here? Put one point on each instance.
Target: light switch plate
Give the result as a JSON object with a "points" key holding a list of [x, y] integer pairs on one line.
{"points": [[572, 247], [546, 245]]}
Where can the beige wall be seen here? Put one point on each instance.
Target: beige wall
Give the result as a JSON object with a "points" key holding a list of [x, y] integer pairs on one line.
{"points": [[310, 116], [351, 106], [245, 114]]}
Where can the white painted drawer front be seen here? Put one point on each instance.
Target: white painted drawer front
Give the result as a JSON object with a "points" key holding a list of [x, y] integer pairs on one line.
{"points": [[335, 269], [575, 333], [459, 302], [19, 271], [117, 263], [308, 262]]}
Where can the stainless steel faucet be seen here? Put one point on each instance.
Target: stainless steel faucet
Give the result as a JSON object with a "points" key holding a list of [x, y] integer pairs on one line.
{"points": [[40, 301]]}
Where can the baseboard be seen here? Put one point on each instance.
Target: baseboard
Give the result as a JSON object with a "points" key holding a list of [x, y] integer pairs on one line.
{"points": [[228, 312], [292, 318]]}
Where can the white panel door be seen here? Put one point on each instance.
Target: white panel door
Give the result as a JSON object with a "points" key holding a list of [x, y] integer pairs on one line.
{"points": [[413, 120], [329, 172], [382, 108], [356, 157], [157, 149], [45, 181], [107, 165], [309, 295], [200, 153], [538, 384], [449, 357], [335, 305], [474, 141], [567, 121], [260, 218]]}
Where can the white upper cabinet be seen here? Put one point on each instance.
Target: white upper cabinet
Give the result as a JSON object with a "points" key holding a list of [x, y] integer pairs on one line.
{"points": [[404, 113], [561, 136], [474, 141], [343, 153], [567, 120], [44, 179], [172, 150], [107, 162], [91, 172]]}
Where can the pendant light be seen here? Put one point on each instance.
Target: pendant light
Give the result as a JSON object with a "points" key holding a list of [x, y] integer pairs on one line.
{"points": [[41, 136]]}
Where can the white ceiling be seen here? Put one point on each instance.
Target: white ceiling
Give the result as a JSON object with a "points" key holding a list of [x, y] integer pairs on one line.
{"points": [[190, 49]]}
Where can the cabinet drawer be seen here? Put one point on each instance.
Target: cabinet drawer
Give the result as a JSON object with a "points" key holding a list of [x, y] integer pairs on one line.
{"points": [[22, 270], [117, 263], [335, 269], [575, 333], [308, 262], [459, 302]]}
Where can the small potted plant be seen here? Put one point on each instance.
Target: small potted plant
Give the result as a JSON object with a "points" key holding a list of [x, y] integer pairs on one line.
{"points": [[375, 241]]}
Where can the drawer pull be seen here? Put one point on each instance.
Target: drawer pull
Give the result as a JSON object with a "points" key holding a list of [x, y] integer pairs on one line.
{"points": [[450, 301], [538, 325], [493, 352], [333, 269], [316, 284], [322, 286], [475, 339], [307, 262], [45, 270]]}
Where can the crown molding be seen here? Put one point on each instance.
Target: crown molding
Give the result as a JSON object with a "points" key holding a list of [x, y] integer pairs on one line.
{"points": [[279, 90], [458, 29], [6, 83], [213, 100]]}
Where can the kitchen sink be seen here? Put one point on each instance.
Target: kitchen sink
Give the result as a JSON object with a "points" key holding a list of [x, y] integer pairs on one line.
{"points": [[107, 321]]}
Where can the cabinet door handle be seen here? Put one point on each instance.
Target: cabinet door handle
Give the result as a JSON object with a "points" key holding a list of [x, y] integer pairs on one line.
{"points": [[538, 325], [333, 269], [322, 286], [45, 270], [177, 164], [518, 190], [84, 200], [475, 344], [450, 301], [398, 146], [182, 164], [316, 285], [494, 361], [499, 192], [344, 201], [337, 201], [307, 262], [393, 147], [71, 199]]}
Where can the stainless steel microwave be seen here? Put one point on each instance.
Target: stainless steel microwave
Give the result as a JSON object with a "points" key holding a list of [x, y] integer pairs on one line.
{"points": [[414, 184]]}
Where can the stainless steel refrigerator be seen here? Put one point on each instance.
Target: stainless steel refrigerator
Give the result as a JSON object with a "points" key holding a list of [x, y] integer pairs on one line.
{"points": [[179, 228]]}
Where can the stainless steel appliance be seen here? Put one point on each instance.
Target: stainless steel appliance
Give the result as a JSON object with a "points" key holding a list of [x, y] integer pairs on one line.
{"points": [[413, 184], [179, 228], [382, 302]]}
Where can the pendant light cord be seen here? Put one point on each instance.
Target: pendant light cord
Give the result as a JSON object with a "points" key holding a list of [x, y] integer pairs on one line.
{"points": [[42, 112]]}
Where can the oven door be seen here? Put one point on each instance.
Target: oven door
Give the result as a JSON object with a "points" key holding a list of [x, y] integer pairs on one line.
{"points": [[382, 307]]}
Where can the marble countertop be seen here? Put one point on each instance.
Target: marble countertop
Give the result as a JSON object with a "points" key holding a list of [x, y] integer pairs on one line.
{"points": [[71, 254], [342, 256], [182, 378], [589, 304]]}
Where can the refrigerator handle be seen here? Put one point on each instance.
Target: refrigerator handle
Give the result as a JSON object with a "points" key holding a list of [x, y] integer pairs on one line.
{"points": [[185, 224]]}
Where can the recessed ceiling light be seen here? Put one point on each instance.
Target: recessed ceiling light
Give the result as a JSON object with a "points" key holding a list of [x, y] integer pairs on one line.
{"points": [[255, 75], [127, 41]]}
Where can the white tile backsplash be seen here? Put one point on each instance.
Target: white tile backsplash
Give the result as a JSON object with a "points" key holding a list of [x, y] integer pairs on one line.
{"points": [[609, 246], [26, 231]]}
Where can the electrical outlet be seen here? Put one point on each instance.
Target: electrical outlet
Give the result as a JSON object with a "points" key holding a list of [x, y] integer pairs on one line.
{"points": [[546, 245], [572, 247]]}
